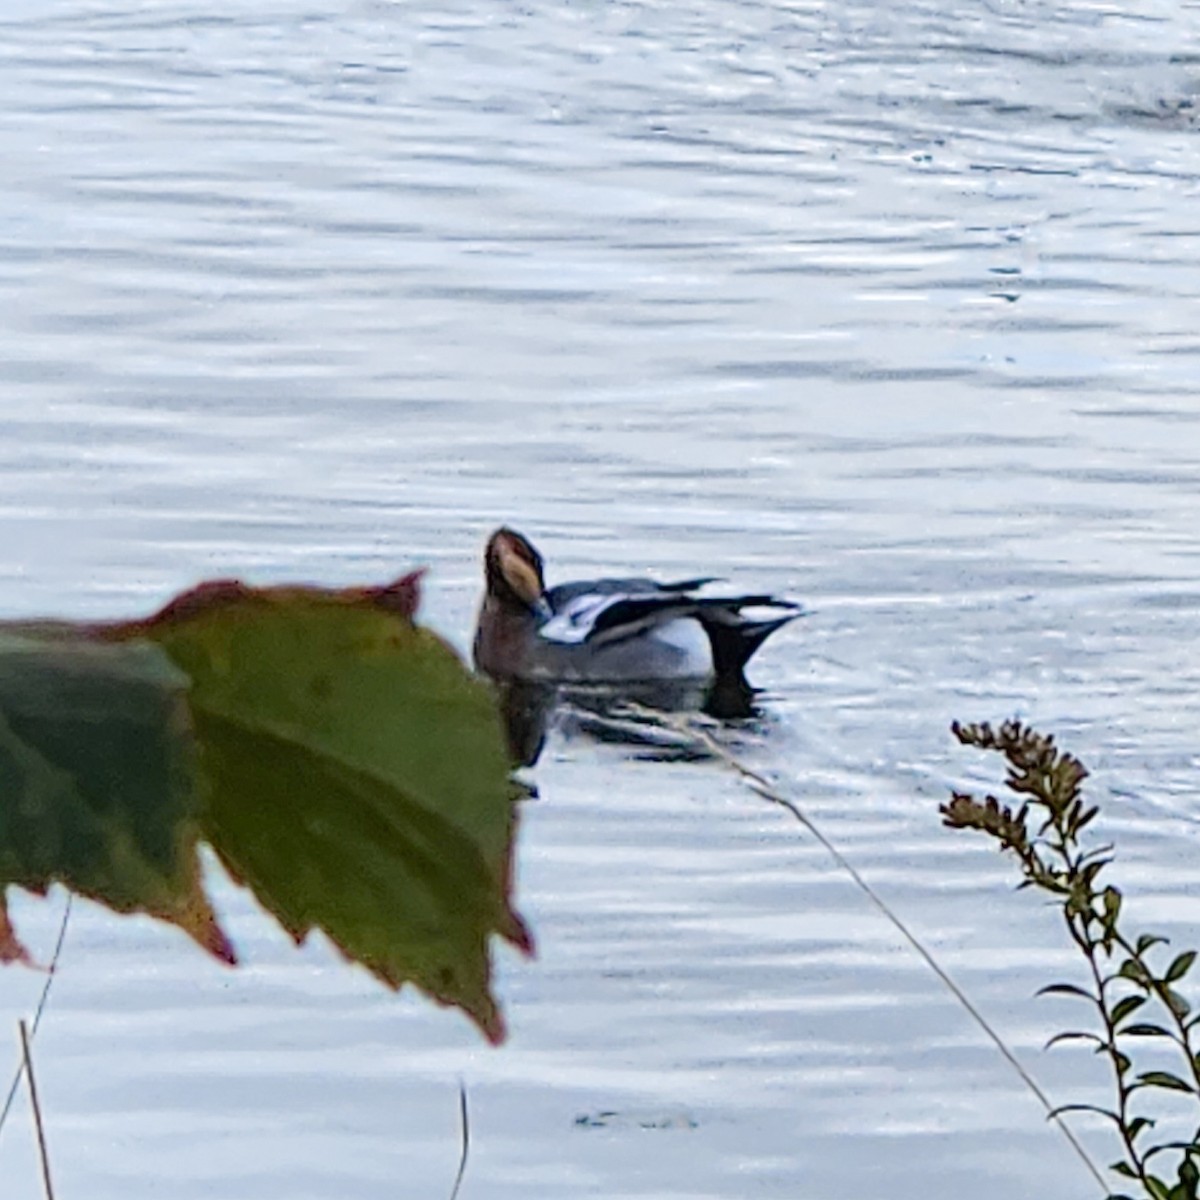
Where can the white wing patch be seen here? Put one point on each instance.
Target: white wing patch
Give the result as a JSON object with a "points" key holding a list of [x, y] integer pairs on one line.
{"points": [[574, 621]]}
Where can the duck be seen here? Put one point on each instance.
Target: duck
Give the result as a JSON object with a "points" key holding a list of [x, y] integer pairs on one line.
{"points": [[612, 631]]}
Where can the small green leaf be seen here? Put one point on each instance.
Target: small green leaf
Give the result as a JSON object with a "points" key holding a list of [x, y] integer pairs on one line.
{"points": [[1180, 967], [1133, 970], [1178, 1005], [1123, 1008], [1074, 1036], [1091, 1108], [1158, 1190], [1189, 1177], [1064, 989], [1163, 1079], [1149, 939], [1138, 1124], [1145, 1029], [1123, 1168]]}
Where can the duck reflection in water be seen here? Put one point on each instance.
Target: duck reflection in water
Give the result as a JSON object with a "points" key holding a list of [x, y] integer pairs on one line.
{"points": [[592, 647]]}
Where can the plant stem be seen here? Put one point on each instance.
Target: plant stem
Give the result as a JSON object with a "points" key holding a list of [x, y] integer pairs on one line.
{"points": [[1080, 934], [37, 1111]]}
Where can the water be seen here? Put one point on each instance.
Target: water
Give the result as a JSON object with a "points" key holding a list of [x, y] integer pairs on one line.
{"points": [[888, 309]]}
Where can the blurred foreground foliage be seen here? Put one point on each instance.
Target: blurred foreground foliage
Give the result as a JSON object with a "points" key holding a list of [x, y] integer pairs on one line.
{"points": [[337, 757]]}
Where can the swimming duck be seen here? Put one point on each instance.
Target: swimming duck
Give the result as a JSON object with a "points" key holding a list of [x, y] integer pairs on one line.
{"points": [[611, 630]]}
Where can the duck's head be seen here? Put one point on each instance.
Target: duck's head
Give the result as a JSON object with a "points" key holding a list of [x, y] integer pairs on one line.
{"points": [[513, 569]]}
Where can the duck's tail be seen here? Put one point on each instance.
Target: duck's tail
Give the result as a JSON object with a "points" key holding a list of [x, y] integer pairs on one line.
{"points": [[735, 638]]}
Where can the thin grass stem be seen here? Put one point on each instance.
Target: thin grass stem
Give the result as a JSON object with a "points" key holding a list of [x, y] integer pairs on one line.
{"points": [[761, 785], [37, 1110], [37, 1012], [464, 1119]]}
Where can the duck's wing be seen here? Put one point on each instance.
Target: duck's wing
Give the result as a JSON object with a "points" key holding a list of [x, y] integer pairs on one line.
{"points": [[574, 613], [614, 615], [601, 611]]}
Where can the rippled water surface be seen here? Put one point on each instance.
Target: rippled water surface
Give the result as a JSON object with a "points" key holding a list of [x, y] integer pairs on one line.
{"points": [[889, 308]]}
